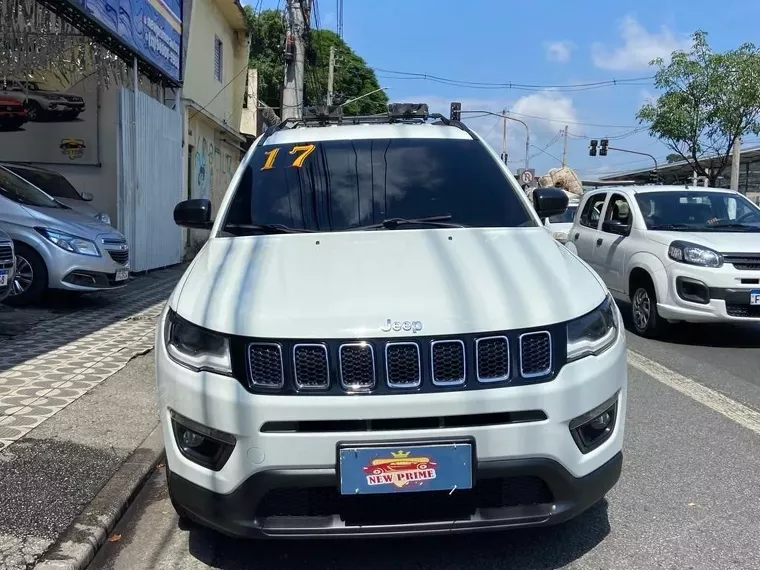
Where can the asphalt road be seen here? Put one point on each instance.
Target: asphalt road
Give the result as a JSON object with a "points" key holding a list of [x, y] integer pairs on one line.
{"points": [[688, 497]]}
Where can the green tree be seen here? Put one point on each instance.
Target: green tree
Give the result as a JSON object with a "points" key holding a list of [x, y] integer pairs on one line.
{"points": [[353, 77], [708, 100], [673, 157]]}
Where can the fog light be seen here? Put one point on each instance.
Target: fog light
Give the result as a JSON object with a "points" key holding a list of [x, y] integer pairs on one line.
{"points": [[200, 444], [593, 428], [191, 439]]}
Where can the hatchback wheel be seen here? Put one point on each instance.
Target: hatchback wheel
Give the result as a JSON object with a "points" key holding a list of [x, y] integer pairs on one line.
{"points": [[31, 277], [646, 320]]}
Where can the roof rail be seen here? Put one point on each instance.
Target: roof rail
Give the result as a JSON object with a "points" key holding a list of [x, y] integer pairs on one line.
{"points": [[406, 113]]}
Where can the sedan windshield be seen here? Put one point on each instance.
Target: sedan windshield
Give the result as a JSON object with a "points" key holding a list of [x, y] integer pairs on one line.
{"points": [[19, 190], [694, 210], [53, 184], [367, 184], [566, 217]]}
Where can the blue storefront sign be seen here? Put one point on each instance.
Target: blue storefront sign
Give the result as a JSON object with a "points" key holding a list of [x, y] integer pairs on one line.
{"points": [[152, 29]]}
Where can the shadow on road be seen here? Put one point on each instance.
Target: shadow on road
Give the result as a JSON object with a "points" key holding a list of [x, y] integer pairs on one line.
{"points": [[529, 549]]}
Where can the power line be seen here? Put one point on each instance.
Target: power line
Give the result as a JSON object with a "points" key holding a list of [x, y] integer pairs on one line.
{"points": [[512, 85], [560, 120]]}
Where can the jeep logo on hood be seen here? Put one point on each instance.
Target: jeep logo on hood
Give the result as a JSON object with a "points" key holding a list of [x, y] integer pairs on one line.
{"points": [[409, 326]]}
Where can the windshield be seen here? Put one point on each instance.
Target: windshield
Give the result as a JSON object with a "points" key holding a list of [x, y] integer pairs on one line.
{"points": [[19, 190], [698, 211], [566, 217], [344, 184], [52, 183]]}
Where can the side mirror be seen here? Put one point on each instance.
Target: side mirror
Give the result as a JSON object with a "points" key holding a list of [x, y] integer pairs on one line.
{"points": [[549, 202], [195, 214], [615, 227], [87, 197]]}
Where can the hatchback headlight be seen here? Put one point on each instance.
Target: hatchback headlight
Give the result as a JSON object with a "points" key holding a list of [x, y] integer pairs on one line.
{"points": [[694, 254], [70, 243], [594, 332], [196, 348]]}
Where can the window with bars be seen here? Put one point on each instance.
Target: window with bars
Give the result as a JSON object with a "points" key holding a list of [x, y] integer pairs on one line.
{"points": [[218, 58]]}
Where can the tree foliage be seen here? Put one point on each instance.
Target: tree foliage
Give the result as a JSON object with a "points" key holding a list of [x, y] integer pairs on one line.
{"points": [[673, 157], [708, 100], [352, 79]]}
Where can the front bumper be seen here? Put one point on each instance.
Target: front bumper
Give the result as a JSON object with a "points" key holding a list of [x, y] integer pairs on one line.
{"points": [[324, 513], [74, 272], [726, 291]]}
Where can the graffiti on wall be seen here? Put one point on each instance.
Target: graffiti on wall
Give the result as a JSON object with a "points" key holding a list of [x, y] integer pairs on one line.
{"points": [[213, 168]]}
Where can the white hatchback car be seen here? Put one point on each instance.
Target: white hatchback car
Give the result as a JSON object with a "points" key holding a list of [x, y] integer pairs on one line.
{"points": [[677, 253], [380, 338]]}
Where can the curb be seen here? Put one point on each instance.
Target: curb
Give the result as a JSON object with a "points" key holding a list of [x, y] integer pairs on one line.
{"points": [[80, 542]]}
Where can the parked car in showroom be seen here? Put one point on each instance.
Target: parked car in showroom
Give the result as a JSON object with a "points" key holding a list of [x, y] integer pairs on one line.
{"points": [[678, 253], [42, 103], [7, 265], [57, 247], [12, 114], [58, 186]]}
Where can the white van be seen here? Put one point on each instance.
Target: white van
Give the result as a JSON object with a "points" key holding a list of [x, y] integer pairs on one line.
{"points": [[380, 338]]}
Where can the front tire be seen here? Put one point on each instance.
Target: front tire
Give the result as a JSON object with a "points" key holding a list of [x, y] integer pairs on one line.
{"points": [[646, 320], [31, 278]]}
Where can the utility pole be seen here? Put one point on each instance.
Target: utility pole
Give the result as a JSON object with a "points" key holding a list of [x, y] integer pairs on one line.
{"points": [[331, 76], [295, 56], [735, 163], [564, 150], [504, 155]]}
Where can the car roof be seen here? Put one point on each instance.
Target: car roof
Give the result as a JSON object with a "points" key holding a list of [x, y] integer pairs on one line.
{"points": [[303, 134], [648, 188]]}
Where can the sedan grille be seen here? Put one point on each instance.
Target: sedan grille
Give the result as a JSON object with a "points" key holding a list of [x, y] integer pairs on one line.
{"points": [[743, 261], [119, 256], [6, 253]]}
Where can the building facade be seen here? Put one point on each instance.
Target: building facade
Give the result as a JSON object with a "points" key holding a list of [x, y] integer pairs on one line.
{"points": [[213, 95]]}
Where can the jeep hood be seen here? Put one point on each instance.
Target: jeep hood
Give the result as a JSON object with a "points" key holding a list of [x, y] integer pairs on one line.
{"points": [[348, 284]]}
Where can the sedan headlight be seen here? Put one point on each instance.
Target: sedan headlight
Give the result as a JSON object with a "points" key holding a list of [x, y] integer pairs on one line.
{"points": [[594, 332], [70, 243], [105, 218], [196, 348], [694, 254]]}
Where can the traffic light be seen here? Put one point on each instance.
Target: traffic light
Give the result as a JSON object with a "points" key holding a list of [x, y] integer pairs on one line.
{"points": [[603, 147], [456, 111], [592, 148]]}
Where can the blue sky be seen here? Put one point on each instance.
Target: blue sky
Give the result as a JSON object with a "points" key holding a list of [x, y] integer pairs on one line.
{"points": [[543, 42]]}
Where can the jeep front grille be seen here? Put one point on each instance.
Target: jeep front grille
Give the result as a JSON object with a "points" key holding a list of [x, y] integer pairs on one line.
{"points": [[387, 366]]}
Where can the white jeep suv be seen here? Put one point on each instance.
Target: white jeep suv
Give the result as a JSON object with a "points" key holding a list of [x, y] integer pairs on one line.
{"points": [[678, 253], [379, 338]]}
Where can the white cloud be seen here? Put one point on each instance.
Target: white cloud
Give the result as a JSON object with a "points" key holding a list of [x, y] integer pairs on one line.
{"points": [[545, 112], [559, 51], [639, 47]]}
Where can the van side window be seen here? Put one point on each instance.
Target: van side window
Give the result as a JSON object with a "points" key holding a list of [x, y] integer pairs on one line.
{"points": [[592, 211]]}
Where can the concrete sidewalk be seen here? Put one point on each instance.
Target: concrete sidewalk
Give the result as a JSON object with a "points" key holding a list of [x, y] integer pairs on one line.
{"points": [[77, 399]]}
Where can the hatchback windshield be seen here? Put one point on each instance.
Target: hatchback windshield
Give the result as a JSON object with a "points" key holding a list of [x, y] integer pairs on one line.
{"points": [[346, 184], [566, 217], [698, 211], [19, 190], [53, 184]]}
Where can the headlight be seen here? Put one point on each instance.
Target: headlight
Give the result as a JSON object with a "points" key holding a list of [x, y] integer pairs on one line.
{"points": [[694, 254], [593, 333], [196, 348], [105, 218], [70, 243]]}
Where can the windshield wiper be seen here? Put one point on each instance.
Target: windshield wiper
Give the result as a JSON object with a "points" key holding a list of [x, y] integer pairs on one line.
{"points": [[264, 228], [393, 223], [672, 227], [734, 226]]}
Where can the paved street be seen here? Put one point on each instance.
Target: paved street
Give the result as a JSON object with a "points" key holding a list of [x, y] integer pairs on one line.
{"points": [[76, 399], [687, 499]]}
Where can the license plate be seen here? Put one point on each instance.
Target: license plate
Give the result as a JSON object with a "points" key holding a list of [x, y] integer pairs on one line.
{"points": [[754, 297], [122, 275], [3, 278], [404, 469]]}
